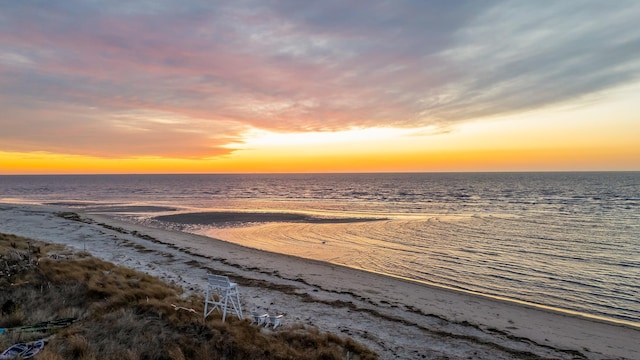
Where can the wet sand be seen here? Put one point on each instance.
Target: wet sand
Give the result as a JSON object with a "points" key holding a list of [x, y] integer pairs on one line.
{"points": [[397, 318]]}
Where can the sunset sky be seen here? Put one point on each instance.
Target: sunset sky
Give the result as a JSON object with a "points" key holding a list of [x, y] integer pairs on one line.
{"points": [[318, 86]]}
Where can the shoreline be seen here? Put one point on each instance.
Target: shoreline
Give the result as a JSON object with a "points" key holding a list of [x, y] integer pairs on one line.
{"points": [[398, 318], [225, 217]]}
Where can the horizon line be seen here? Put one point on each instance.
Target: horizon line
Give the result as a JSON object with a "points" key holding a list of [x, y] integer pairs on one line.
{"points": [[328, 173]]}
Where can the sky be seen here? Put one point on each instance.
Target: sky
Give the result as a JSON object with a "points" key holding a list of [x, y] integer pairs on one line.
{"points": [[253, 86]]}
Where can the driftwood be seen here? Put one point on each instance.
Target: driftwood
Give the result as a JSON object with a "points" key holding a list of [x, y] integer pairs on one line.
{"points": [[41, 326]]}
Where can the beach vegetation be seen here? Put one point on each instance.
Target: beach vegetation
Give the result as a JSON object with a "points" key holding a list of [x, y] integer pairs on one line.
{"points": [[87, 308]]}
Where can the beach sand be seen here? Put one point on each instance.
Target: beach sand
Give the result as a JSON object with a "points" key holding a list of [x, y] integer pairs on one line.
{"points": [[397, 318]]}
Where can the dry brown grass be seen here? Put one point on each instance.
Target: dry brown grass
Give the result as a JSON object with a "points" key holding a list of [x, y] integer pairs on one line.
{"points": [[124, 314]]}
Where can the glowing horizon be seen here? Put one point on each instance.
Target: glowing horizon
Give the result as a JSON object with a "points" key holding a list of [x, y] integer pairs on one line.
{"points": [[253, 88]]}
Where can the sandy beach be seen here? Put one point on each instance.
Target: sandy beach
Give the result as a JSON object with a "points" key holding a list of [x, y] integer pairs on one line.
{"points": [[397, 318]]}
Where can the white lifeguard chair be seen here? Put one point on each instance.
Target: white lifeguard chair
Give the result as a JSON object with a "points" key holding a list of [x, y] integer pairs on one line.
{"points": [[226, 292]]}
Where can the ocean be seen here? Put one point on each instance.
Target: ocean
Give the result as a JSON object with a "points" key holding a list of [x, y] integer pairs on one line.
{"points": [[569, 241]]}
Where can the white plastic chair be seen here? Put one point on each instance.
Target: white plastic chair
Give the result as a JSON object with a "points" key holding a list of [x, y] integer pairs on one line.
{"points": [[274, 320], [226, 292], [259, 318]]}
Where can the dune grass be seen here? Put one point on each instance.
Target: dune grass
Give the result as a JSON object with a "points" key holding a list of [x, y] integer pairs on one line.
{"points": [[123, 314]]}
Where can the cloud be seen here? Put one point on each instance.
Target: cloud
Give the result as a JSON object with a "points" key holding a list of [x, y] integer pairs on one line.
{"points": [[522, 58], [185, 78]]}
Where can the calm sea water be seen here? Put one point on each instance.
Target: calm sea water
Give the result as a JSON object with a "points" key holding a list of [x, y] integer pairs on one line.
{"points": [[566, 240]]}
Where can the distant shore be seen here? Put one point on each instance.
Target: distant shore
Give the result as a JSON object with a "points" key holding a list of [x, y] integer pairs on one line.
{"points": [[394, 317]]}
